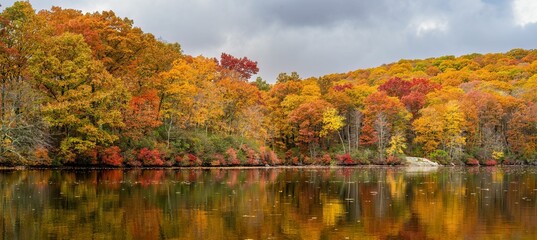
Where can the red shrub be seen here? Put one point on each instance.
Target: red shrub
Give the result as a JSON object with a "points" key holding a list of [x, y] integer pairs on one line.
{"points": [[491, 162], [150, 157], [218, 160], [307, 160], [273, 158], [193, 160], [295, 161], [232, 158], [289, 157], [112, 156], [345, 159], [393, 160], [180, 160], [263, 155], [267, 156], [472, 162], [251, 157], [186, 160], [326, 159]]}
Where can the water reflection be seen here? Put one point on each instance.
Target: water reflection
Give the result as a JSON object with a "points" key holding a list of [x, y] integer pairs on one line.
{"points": [[320, 203]]}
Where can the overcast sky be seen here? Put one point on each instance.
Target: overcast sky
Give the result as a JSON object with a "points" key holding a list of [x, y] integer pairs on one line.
{"points": [[317, 37]]}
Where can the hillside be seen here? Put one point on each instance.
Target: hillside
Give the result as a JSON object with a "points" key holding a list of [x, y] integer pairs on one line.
{"points": [[478, 107]]}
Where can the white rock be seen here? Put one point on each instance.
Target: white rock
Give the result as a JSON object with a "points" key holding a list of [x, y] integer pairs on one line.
{"points": [[420, 162]]}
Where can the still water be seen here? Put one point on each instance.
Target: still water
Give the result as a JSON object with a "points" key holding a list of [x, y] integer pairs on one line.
{"points": [[281, 203]]}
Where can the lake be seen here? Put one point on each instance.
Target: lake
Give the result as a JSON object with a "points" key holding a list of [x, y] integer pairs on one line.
{"points": [[270, 203]]}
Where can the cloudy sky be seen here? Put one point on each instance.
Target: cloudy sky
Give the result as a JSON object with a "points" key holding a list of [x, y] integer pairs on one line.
{"points": [[317, 37]]}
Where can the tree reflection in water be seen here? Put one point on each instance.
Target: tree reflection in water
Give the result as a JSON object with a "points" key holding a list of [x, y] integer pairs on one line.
{"points": [[281, 203]]}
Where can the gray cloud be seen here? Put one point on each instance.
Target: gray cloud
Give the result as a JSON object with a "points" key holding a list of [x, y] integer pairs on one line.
{"points": [[315, 37], [315, 13]]}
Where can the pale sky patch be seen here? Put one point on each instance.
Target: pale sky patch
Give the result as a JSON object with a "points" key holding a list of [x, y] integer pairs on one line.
{"points": [[525, 12], [430, 25]]}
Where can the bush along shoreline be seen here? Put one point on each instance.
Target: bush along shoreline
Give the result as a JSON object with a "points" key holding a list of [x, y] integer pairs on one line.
{"points": [[245, 156]]}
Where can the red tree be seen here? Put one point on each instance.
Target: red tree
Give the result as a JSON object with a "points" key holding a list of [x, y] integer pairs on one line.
{"points": [[381, 111], [243, 67], [142, 115], [396, 87], [411, 93], [307, 119]]}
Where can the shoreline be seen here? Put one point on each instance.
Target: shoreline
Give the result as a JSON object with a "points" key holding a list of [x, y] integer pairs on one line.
{"points": [[19, 168]]}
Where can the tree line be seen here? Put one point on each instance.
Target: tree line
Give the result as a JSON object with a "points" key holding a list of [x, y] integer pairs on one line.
{"points": [[93, 89]]}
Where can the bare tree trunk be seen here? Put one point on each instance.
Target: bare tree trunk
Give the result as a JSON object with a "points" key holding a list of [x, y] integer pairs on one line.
{"points": [[168, 132], [342, 142], [357, 126], [381, 127], [348, 128]]}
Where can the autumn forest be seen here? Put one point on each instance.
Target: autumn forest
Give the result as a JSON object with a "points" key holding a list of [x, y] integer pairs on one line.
{"points": [[91, 89]]}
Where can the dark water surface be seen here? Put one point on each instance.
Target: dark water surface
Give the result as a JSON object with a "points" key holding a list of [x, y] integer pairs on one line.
{"points": [[318, 203]]}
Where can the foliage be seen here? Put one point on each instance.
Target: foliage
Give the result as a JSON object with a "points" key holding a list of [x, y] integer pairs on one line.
{"points": [[490, 162], [331, 122], [363, 156], [472, 162], [440, 156], [326, 159], [307, 119], [243, 67], [397, 145], [112, 156], [150, 157], [394, 160], [345, 159]]}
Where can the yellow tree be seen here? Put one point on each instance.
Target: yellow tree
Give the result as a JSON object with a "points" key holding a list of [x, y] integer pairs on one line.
{"points": [[332, 122], [441, 126], [183, 93], [310, 91], [82, 101], [529, 88], [397, 144], [240, 100], [454, 125], [357, 95], [280, 131], [429, 129]]}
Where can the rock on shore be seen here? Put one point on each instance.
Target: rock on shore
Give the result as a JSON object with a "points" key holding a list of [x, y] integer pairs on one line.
{"points": [[420, 162]]}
